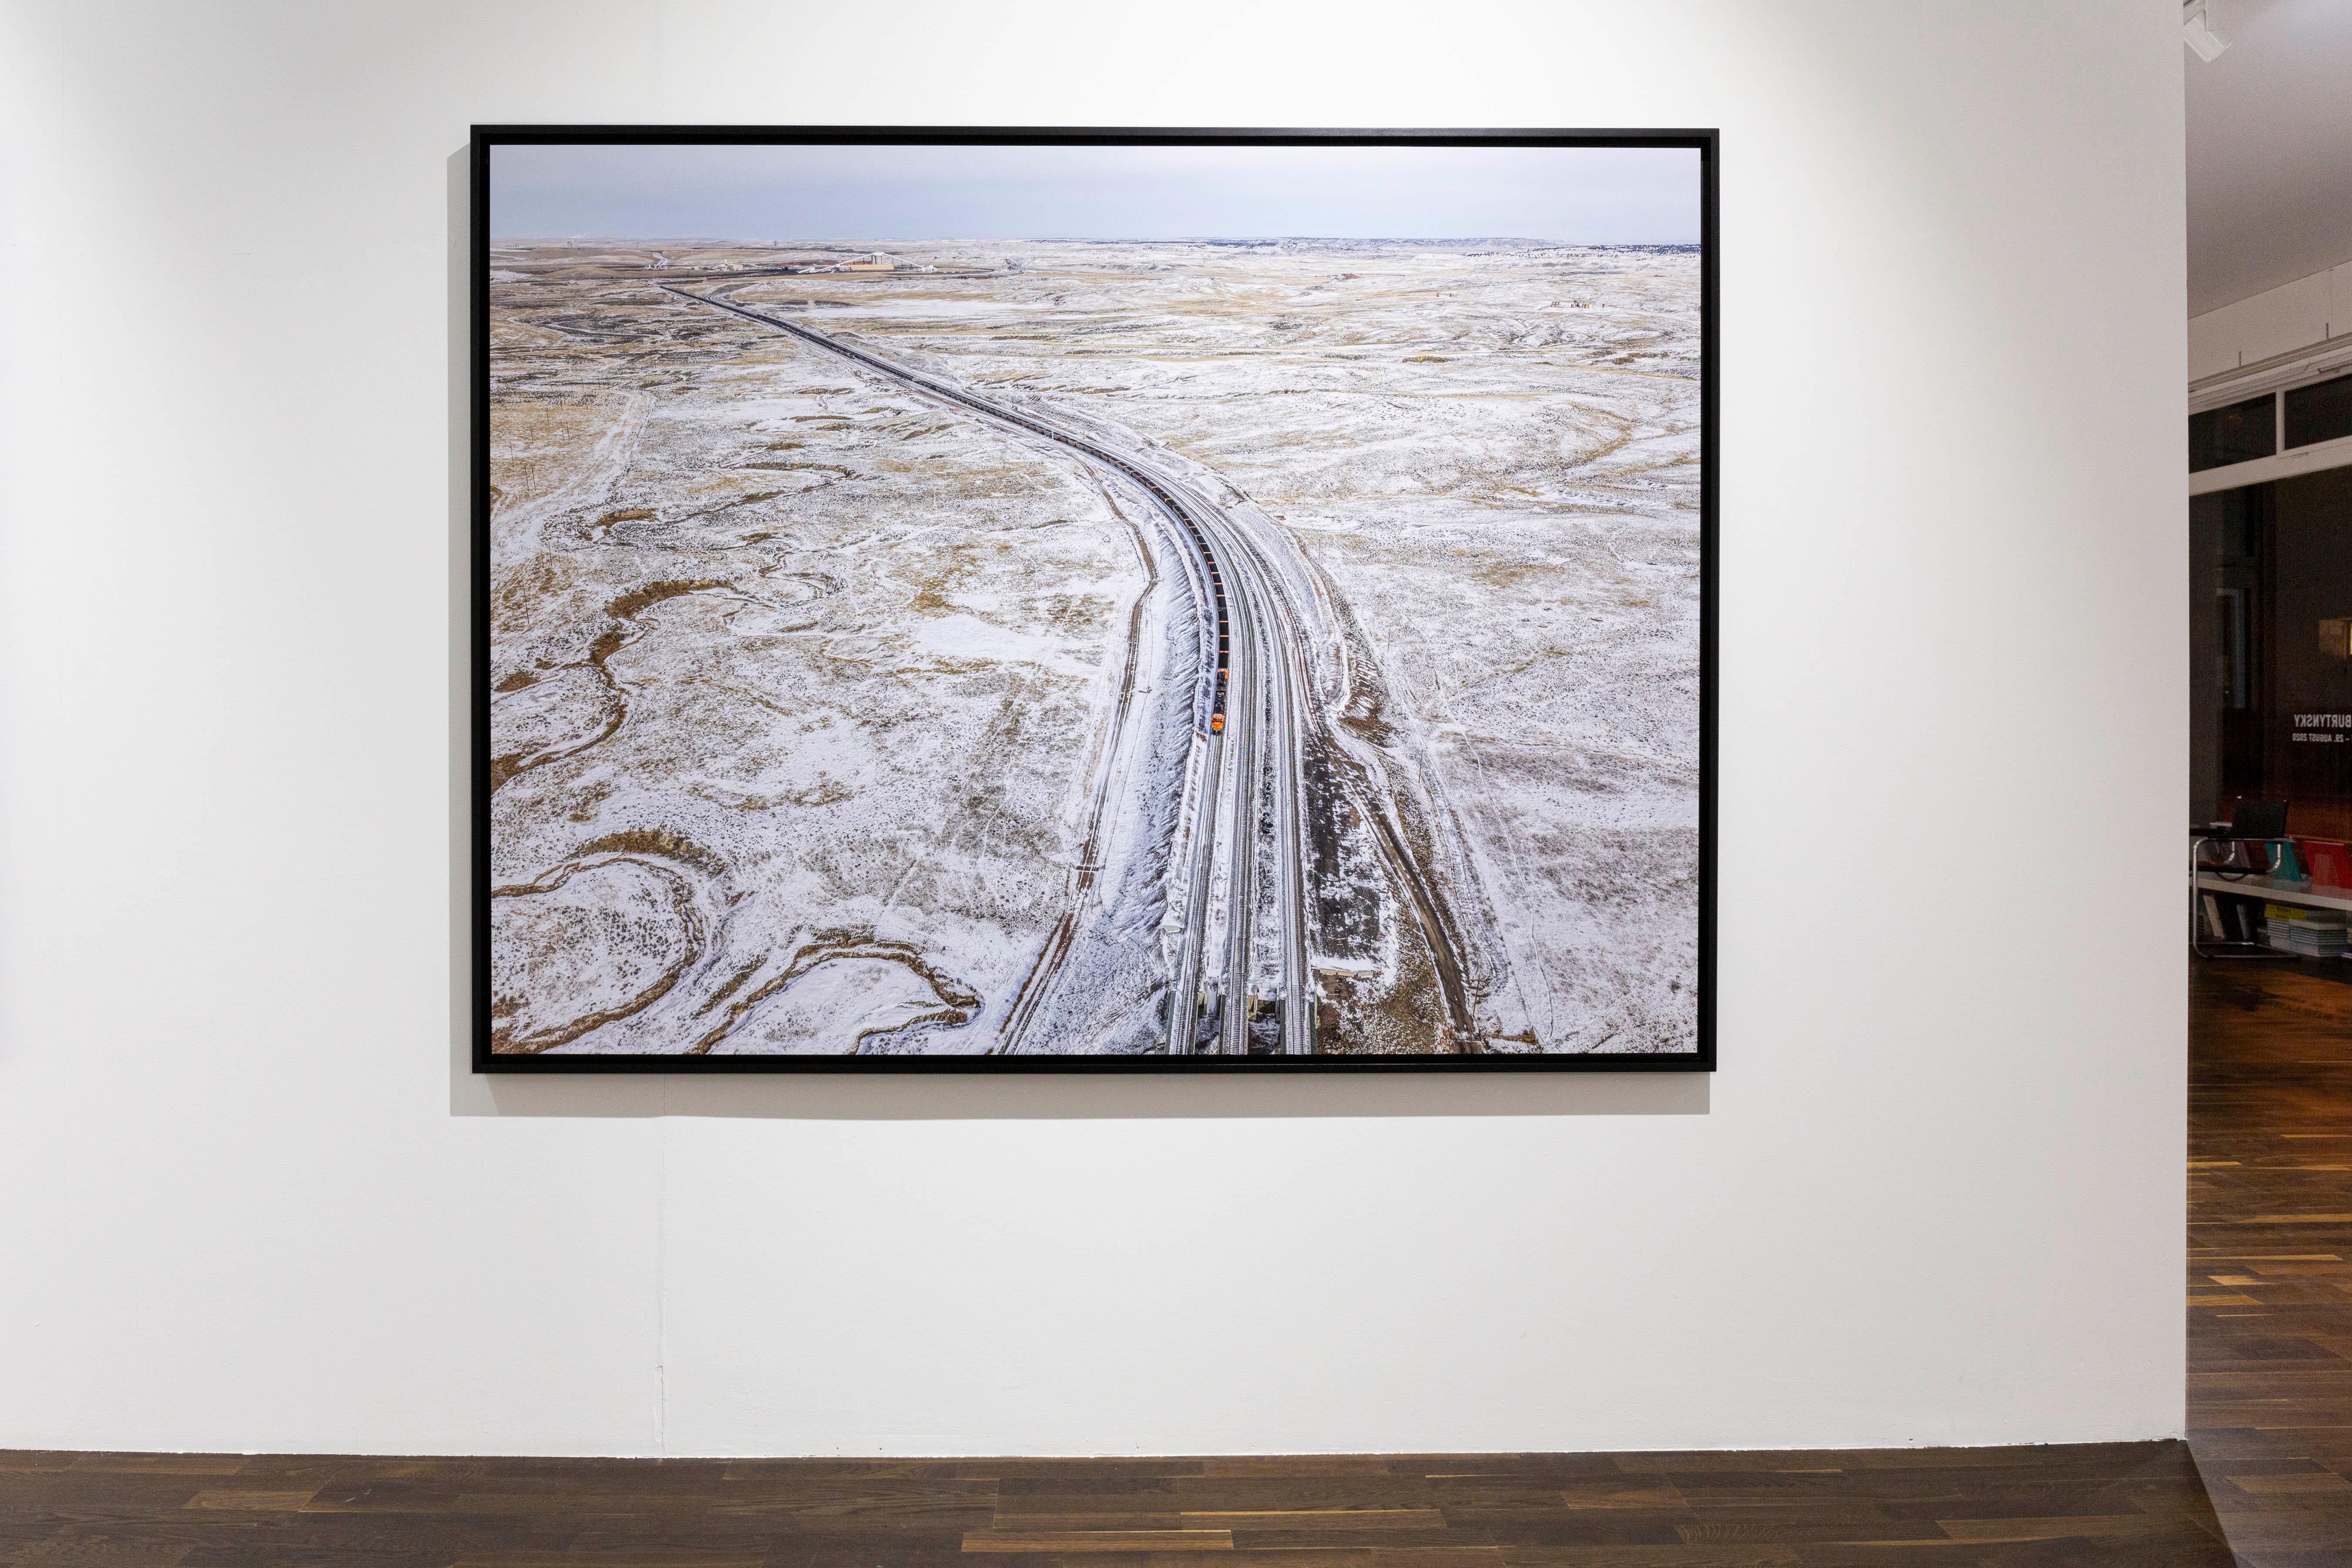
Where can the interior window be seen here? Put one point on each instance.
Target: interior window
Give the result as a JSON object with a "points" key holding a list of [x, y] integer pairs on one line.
{"points": [[2319, 413], [2237, 434]]}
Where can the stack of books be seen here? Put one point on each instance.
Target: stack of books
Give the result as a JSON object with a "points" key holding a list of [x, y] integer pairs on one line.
{"points": [[2307, 933]]}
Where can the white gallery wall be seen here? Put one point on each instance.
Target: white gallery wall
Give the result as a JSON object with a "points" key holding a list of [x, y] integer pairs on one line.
{"points": [[252, 1201]]}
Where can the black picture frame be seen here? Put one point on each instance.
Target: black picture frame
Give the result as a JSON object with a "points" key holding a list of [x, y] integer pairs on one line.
{"points": [[1706, 141]]}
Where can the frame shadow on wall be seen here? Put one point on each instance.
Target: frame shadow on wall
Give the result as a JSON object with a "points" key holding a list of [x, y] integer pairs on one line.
{"points": [[850, 1097]]}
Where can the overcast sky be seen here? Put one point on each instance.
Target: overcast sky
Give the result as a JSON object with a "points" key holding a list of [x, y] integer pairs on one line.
{"points": [[1571, 195]]}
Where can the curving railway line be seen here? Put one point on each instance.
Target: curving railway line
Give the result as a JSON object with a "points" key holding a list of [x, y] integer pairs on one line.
{"points": [[1247, 827]]}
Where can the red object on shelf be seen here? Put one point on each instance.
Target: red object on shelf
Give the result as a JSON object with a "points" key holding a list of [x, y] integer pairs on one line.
{"points": [[2329, 861]]}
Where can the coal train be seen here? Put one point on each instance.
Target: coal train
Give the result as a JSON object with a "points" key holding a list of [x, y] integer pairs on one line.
{"points": [[1216, 594]]}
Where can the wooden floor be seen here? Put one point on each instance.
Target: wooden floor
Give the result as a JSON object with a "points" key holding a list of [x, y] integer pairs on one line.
{"points": [[2127, 1503], [2270, 1255], [2270, 1407]]}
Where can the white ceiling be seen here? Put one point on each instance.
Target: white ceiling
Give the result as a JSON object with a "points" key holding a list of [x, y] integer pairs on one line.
{"points": [[2270, 148]]}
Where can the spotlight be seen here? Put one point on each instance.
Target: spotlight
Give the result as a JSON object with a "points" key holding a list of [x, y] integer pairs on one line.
{"points": [[2197, 30]]}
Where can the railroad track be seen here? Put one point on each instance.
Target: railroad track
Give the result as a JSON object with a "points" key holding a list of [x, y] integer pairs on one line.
{"points": [[1248, 709]]}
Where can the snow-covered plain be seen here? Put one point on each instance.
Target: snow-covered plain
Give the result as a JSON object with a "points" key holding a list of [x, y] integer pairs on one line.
{"points": [[803, 682]]}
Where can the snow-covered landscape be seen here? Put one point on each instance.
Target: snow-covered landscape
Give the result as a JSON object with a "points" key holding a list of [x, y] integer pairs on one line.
{"points": [[833, 714]]}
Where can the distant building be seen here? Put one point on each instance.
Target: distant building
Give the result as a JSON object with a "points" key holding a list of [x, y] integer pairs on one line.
{"points": [[877, 262]]}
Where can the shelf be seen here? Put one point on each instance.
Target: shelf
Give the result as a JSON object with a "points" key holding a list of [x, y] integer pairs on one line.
{"points": [[2276, 891]]}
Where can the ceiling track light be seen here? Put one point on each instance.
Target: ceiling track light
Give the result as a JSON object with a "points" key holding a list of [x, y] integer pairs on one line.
{"points": [[2197, 30]]}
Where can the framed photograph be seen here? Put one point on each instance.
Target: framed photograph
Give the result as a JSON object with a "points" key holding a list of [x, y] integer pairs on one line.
{"points": [[996, 600]]}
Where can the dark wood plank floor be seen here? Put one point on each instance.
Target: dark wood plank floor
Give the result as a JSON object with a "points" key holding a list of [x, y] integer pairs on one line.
{"points": [[2270, 1255], [2124, 1503], [2270, 1411]]}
